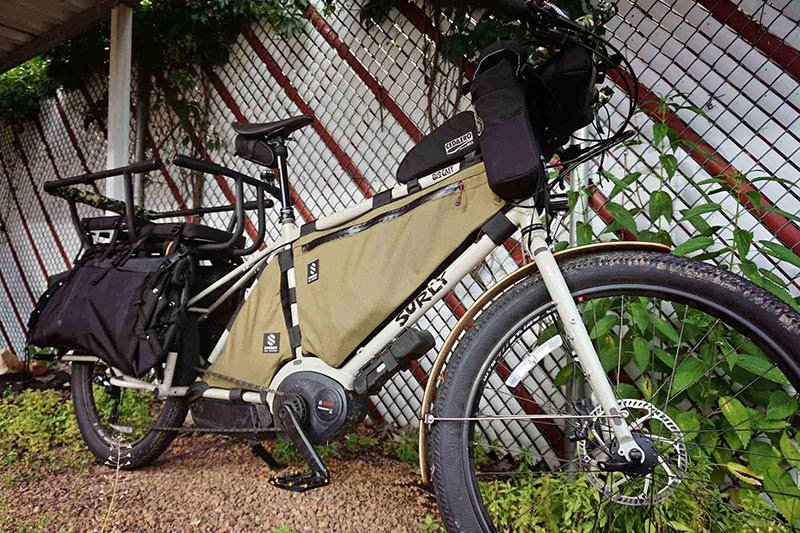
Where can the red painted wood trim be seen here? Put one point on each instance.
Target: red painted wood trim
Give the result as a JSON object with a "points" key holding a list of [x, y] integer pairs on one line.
{"points": [[17, 262], [726, 12], [344, 160], [13, 304], [379, 91], [73, 140], [47, 218], [785, 230], [305, 213], [22, 217]]}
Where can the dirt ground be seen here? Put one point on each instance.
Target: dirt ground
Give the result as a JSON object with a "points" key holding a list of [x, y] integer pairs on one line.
{"points": [[206, 483]]}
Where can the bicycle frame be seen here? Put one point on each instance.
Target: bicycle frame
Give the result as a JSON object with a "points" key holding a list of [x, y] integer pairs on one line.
{"points": [[521, 216]]}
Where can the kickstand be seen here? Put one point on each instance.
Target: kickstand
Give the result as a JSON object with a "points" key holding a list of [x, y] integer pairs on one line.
{"points": [[262, 453], [303, 481]]}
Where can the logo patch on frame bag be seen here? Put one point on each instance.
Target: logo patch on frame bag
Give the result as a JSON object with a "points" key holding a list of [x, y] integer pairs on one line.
{"points": [[272, 342]]}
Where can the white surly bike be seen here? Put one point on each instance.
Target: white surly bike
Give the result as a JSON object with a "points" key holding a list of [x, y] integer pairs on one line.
{"points": [[617, 362]]}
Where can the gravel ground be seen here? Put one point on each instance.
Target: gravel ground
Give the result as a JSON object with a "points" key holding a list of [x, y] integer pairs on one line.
{"points": [[207, 483]]}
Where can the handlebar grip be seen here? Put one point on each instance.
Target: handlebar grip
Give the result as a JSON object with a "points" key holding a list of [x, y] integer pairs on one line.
{"points": [[197, 164]]}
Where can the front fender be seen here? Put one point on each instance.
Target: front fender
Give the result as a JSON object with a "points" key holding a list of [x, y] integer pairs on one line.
{"points": [[490, 294]]}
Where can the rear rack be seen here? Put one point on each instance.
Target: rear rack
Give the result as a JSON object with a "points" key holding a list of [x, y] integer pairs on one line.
{"points": [[65, 188]]}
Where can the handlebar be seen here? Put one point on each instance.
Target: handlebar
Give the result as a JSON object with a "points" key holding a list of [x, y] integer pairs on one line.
{"points": [[212, 168], [85, 179]]}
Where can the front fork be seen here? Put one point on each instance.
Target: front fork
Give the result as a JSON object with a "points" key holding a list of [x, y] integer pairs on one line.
{"points": [[582, 344]]}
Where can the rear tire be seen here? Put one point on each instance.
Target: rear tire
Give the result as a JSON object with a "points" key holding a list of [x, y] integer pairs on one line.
{"points": [[106, 444], [766, 321]]}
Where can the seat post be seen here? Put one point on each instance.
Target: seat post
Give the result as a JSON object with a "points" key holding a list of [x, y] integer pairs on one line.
{"points": [[281, 153]]}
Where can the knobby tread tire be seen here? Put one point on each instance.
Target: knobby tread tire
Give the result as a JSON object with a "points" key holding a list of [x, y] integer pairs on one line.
{"points": [[458, 506], [141, 453]]}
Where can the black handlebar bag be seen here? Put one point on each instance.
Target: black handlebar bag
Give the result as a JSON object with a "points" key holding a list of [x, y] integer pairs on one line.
{"points": [[507, 134], [119, 308]]}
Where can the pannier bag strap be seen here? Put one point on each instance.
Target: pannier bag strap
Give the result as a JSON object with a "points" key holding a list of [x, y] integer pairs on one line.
{"points": [[289, 300]]}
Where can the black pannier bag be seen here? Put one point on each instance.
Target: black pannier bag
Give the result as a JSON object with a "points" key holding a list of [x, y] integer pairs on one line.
{"points": [[446, 145], [114, 306], [507, 122]]}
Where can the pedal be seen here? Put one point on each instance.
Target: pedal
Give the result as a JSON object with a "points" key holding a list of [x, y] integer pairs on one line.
{"points": [[409, 346], [304, 481], [262, 453]]}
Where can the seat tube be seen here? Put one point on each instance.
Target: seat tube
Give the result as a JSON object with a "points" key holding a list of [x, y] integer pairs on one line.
{"points": [[579, 339], [287, 210]]}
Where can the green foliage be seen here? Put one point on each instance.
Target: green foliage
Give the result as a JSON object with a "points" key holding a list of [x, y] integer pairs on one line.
{"points": [[171, 38], [37, 428], [405, 446], [431, 523], [23, 88], [568, 503], [283, 528]]}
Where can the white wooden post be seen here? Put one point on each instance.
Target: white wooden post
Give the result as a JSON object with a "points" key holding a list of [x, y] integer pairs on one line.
{"points": [[119, 97]]}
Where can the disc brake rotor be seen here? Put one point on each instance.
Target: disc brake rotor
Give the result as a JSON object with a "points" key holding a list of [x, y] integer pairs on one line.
{"points": [[664, 465]]}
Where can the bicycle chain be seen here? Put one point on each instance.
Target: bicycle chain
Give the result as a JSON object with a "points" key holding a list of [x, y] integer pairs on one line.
{"points": [[220, 431]]}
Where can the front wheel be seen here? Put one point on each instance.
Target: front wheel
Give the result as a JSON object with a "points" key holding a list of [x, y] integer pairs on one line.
{"points": [[705, 366]]}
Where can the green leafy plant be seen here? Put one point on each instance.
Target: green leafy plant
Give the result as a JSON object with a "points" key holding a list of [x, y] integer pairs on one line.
{"points": [[431, 523], [283, 528], [405, 446], [37, 428]]}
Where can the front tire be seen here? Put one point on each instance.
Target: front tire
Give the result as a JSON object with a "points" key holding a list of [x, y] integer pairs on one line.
{"points": [[609, 284]]}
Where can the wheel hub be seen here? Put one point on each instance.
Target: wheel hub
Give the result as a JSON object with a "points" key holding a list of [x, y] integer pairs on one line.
{"points": [[635, 468], [635, 483]]}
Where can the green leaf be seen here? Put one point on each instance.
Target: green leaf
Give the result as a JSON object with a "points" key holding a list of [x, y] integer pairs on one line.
{"points": [[781, 252], [660, 206], [641, 316], [584, 233], [687, 374], [603, 326], [692, 245], [761, 366], [666, 329], [622, 216], [641, 353], [745, 474], [670, 164], [781, 212], [688, 423], [743, 239], [622, 184], [781, 405], [659, 132], [564, 375], [789, 450], [787, 497], [738, 416], [701, 209]]}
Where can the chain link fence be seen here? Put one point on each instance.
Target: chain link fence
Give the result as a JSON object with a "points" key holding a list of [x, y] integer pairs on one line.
{"points": [[719, 80]]}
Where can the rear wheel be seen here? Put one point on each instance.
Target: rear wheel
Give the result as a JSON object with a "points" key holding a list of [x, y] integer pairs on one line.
{"points": [[705, 366], [114, 421]]}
